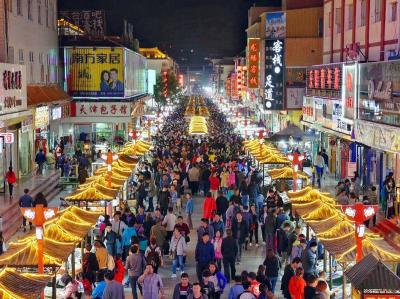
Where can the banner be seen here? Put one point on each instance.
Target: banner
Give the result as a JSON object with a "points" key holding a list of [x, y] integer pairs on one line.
{"points": [[12, 88], [274, 73], [275, 25], [92, 109], [253, 63], [94, 72]]}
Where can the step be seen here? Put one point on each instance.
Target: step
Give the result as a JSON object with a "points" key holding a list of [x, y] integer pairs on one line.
{"points": [[390, 236]]}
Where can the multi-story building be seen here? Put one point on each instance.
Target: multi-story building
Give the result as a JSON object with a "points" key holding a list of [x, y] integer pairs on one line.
{"points": [[29, 44], [159, 61], [222, 68]]}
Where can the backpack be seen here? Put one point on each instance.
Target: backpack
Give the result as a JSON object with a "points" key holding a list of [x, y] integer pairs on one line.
{"points": [[153, 257]]}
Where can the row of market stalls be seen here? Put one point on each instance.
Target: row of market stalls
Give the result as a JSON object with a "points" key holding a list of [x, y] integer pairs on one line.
{"points": [[323, 215], [67, 231]]}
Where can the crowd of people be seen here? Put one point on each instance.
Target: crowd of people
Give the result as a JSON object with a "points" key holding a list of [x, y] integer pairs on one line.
{"points": [[236, 216]]}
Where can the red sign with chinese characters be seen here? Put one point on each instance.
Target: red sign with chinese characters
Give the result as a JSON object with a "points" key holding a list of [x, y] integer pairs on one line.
{"points": [[253, 63], [91, 109], [325, 80], [378, 296]]}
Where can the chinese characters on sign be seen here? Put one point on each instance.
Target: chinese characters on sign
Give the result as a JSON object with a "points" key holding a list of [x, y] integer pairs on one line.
{"points": [[94, 72], [13, 88], [42, 117], [102, 109], [324, 81], [253, 63], [91, 21], [274, 71]]}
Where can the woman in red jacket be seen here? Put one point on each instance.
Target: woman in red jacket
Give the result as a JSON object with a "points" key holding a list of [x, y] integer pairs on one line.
{"points": [[209, 207], [297, 285], [119, 269], [214, 184], [11, 180]]}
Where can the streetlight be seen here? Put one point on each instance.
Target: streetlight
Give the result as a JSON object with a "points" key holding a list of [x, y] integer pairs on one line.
{"points": [[296, 159]]}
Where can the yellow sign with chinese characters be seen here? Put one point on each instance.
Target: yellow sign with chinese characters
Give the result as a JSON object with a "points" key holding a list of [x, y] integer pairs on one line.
{"points": [[94, 72]]}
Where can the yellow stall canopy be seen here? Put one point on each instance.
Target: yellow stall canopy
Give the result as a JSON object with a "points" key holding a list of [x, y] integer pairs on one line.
{"points": [[198, 125], [286, 173]]}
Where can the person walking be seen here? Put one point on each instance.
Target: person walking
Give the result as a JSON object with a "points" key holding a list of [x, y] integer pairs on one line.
{"points": [[89, 264], [134, 264], [309, 259], [113, 289], [152, 285], [169, 222], [222, 205], [297, 285], [194, 176], [270, 228], [40, 159], [153, 255], [196, 292], [272, 264], [240, 231], [26, 201], [288, 273], [218, 279], [177, 251], [214, 184], [11, 179], [101, 255], [209, 207], [159, 233], [204, 254], [189, 209], [254, 225], [229, 250], [183, 289]]}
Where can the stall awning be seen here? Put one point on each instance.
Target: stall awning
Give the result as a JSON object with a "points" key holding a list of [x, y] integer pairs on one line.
{"points": [[43, 94]]}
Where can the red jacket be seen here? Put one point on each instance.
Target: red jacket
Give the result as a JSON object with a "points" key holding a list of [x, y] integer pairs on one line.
{"points": [[209, 206], [120, 271], [214, 183], [11, 178], [296, 287]]}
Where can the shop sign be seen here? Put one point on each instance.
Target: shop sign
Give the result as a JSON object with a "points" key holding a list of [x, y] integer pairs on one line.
{"points": [[253, 62], [349, 90], [91, 21], [12, 88], [42, 117], [308, 109], [27, 124], [324, 81], [104, 109], [351, 168], [294, 98], [8, 137], [94, 72], [382, 137], [275, 25], [378, 296], [274, 71], [379, 92], [56, 113]]}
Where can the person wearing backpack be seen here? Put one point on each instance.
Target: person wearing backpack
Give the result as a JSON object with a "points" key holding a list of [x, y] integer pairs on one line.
{"points": [[134, 264], [153, 255]]}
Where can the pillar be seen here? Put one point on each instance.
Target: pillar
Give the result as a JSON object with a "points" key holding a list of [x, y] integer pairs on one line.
{"points": [[325, 261], [344, 281], [54, 285], [330, 271], [73, 264]]}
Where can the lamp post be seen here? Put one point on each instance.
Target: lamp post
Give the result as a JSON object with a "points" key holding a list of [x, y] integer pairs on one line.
{"points": [[359, 213], [296, 159], [109, 158], [39, 215]]}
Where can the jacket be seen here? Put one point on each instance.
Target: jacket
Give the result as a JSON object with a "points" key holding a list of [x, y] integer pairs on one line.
{"points": [[218, 226], [11, 178], [189, 206], [296, 287], [222, 204], [309, 262], [102, 257], [240, 231], [128, 233], [190, 296], [26, 201], [235, 291], [135, 264], [204, 253], [163, 199], [229, 248], [159, 232], [272, 266], [288, 273], [214, 183], [209, 206], [219, 281], [176, 294], [201, 230], [178, 245], [270, 224], [194, 174]]}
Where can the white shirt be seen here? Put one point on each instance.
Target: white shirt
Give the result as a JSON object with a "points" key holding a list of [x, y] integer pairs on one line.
{"points": [[170, 221]]}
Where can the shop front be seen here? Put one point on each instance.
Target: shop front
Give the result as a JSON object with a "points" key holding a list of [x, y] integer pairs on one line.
{"points": [[42, 128], [26, 142]]}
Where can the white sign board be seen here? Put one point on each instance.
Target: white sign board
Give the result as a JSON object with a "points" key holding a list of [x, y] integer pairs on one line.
{"points": [[91, 109]]}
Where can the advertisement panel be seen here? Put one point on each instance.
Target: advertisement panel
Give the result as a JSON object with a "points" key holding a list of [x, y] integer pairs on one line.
{"points": [[135, 79], [12, 88], [253, 63], [349, 87], [91, 21], [275, 25], [94, 72], [274, 74], [379, 92], [151, 80]]}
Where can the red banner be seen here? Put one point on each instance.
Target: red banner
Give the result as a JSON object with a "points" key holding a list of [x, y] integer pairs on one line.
{"points": [[378, 296], [253, 63]]}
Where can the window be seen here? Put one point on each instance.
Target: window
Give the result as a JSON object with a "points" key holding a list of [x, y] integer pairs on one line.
{"points": [[393, 11], [39, 5], [10, 55], [21, 56], [350, 16], [363, 13], [46, 5], [30, 56], [320, 27], [30, 10], [19, 7], [338, 18], [378, 10]]}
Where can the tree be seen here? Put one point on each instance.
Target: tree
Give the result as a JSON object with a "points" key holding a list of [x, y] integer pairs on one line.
{"points": [[172, 93]]}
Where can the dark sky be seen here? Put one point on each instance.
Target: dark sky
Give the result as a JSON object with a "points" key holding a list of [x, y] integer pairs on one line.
{"points": [[211, 28]]}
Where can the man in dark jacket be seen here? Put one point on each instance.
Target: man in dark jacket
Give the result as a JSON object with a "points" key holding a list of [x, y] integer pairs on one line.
{"points": [[240, 231], [26, 201], [163, 200], [270, 228], [204, 254], [40, 159], [229, 251], [288, 273], [222, 205], [309, 259]]}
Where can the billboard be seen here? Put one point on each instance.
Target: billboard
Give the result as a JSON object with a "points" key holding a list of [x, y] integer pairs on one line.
{"points": [[94, 72], [135, 79], [12, 88], [91, 21], [253, 63], [275, 23], [274, 74], [101, 109]]}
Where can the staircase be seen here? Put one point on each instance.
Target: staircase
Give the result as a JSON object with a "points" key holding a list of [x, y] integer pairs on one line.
{"points": [[10, 211], [389, 231]]}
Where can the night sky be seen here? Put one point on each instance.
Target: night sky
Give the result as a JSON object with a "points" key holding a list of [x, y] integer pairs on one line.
{"points": [[188, 30]]}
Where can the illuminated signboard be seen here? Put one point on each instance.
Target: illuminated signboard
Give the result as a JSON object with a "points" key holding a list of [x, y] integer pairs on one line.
{"points": [[324, 81], [253, 63], [274, 74]]}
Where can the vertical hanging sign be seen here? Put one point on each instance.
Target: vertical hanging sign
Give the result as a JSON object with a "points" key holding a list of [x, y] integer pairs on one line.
{"points": [[253, 63], [274, 74]]}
